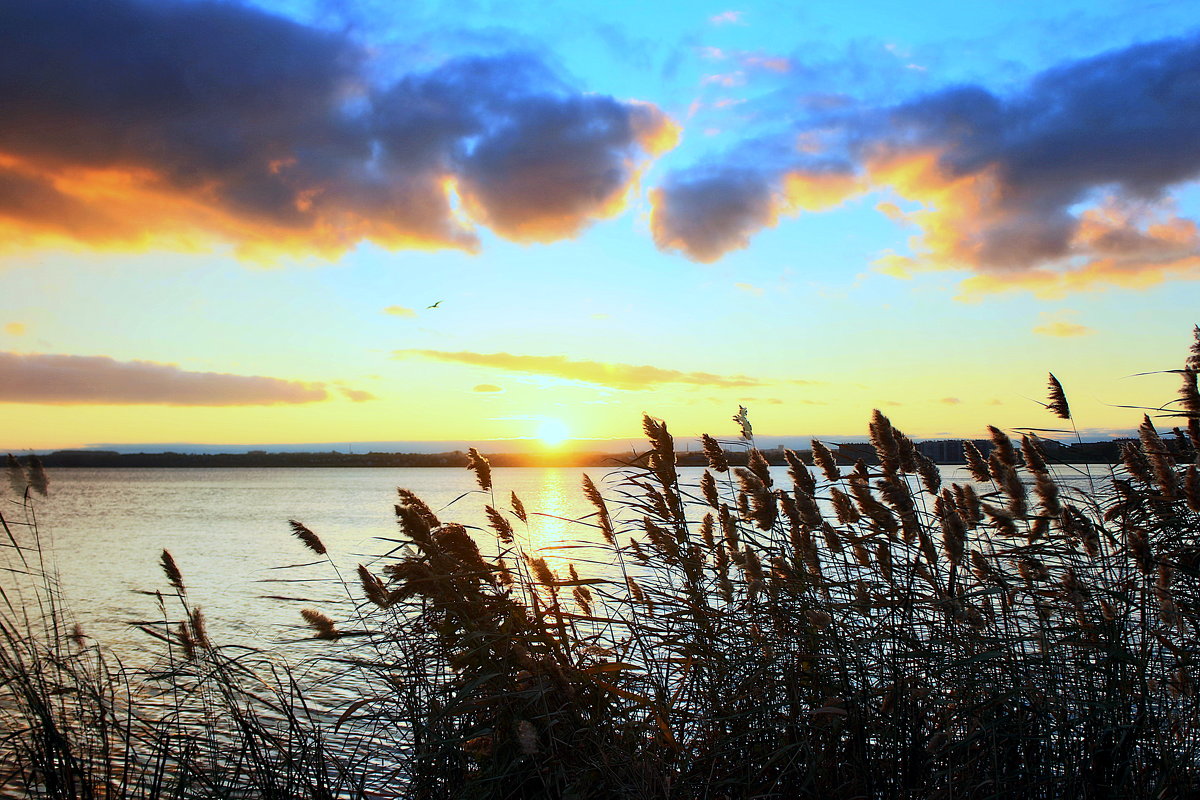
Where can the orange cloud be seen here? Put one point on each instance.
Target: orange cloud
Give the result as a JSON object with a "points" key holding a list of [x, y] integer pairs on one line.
{"points": [[616, 376], [73, 380], [357, 395], [400, 311], [15, 328], [271, 157], [1063, 330], [1063, 185]]}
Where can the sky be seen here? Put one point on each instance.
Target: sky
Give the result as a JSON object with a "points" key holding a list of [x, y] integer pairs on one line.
{"points": [[311, 221]]}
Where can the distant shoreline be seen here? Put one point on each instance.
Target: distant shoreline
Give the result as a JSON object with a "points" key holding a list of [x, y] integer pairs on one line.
{"points": [[1095, 453]]}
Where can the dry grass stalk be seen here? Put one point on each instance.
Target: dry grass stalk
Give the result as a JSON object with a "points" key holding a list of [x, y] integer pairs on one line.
{"points": [[1058, 400], [307, 537], [500, 525], [975, 463], [373, 588], [717, 459], [171, 570], [1031, 451], [883, 438], [708, 489], [482, 469], [602, 518], [1161, 463], [824, 459], [322, 624], [519, 508]]}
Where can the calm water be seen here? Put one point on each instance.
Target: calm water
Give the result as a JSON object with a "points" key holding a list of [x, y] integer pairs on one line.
{"points": [[228, 530]]}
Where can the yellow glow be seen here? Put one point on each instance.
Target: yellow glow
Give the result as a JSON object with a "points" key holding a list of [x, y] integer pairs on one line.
{"points": [[553, 432]]}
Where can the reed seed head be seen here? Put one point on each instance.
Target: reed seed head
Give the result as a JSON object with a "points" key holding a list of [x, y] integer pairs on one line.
{"points": [[717, 459], [323, 625], [802, 479], [174, 576], [500, 525], [708, 488], [519, 508], [200, 628], [1031, 451], [602, 518], [373, 588], [37, 476], [482, 469], [307, 537], [742, 418], [975, 463], [1058, 399], [824, 459]]}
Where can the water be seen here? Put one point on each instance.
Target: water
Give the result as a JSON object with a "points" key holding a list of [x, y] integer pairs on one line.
{"points": [[228, 531]]}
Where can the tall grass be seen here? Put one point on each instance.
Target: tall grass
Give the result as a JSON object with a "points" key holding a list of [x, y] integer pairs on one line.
{"points": [[858, 631]]}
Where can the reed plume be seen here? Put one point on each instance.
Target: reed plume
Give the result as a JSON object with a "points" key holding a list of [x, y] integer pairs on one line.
{"points": [[717, 459], [500, 525], [824, 459], [742, 418], [482, 469], [519, 508], [373, 588], [975, 463], [171, 570], [16, 476], [1058, 399], [309, 539], [602, 518], [323, 625]]}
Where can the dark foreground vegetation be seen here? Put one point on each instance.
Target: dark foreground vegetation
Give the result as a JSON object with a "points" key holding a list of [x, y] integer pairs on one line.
{"points": [[861, 632]]}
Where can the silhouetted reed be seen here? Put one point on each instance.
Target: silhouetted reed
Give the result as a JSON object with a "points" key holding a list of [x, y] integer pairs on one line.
{"points": [[862, 631]]}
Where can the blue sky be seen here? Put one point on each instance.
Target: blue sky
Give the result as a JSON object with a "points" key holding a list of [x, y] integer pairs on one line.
{"points": [[226, 223]]}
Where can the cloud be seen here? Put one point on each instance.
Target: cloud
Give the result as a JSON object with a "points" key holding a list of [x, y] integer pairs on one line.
{"points": [[710, 210], [1060, 186], [357, 395], [15, 328], [183, 124], [400, 311], [616, 376], [1054, 324], [68, 380], [749, 288], [950, 401], [487, 388], [727, 18]]}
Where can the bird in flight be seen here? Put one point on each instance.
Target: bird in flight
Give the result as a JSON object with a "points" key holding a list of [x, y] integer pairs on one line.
{"points": [[435, 305]]}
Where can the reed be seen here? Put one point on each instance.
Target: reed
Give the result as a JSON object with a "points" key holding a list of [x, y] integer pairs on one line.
{"points": [[859, 632]]}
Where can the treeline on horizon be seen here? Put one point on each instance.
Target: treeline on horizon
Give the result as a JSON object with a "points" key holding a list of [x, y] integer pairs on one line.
{"points": [[1100, 452]]}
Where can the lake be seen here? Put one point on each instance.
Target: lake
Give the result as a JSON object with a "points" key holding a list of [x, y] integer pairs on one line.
{"points": [[228, 531]]}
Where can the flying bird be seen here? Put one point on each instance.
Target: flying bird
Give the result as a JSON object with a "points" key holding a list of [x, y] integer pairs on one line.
{"points": [[435, 305]]}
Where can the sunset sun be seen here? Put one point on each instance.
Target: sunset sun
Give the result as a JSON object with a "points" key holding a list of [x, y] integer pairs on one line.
{"points": [[553, 432]]}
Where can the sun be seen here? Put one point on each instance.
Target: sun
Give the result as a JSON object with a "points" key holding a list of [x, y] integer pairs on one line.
{"points": [[553, 432]]}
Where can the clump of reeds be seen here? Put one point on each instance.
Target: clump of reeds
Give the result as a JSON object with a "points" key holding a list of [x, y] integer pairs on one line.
{"points": [[865, 630]]}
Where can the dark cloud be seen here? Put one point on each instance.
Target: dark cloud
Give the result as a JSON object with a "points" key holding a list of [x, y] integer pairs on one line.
{"points": [[1063, 183], [708, 211], [614, 375], [129, 121], [66, 379]]}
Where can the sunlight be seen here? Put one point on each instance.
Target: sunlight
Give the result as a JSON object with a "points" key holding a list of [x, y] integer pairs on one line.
{"points": [[553, 432]]}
